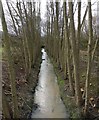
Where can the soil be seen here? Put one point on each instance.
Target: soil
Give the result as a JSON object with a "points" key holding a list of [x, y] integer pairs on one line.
{"points": [[69, 100], [25, 87]]}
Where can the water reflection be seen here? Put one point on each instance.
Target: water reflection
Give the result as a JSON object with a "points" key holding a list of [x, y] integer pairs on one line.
{"points": [[47, 93]]}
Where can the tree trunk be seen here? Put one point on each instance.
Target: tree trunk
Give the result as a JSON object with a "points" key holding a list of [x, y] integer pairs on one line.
{"points": [[23, 39], [79, 28], [88, 75], [10, 65], [5, 107], [75, 57], [68, 49]]}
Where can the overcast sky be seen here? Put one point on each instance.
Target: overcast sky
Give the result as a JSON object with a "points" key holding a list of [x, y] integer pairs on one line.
{"points": [[43, 8]]}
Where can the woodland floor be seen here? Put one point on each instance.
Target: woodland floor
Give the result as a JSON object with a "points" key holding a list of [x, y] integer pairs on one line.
{"points": [[25, 88], [69, 100]]}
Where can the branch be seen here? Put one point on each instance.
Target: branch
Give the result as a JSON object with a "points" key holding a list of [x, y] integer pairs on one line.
{"points": [[84, 17], [86, 14], [15, 29], [95, 47], [15, 11], [75, 8]]}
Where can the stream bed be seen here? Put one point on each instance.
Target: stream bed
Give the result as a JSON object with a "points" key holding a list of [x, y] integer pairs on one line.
{"points": [[47, 95]]}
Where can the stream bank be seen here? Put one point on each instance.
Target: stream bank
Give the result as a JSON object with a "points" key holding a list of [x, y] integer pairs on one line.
{"points": [[68, 100], [25, 87], [47, 95]]}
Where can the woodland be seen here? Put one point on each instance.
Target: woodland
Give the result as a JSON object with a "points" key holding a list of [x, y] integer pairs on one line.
{"points": [[72, 46]]}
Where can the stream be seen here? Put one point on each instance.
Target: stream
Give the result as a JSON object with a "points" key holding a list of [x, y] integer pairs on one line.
{"points": [[47, 95]]}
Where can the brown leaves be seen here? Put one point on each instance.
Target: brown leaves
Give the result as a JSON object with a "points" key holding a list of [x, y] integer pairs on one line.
{"points": [[22, 82]]}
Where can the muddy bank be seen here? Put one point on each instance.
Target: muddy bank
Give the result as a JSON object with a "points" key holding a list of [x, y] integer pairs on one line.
{"points": [[69, 100], [47, 95], [25, 87]]}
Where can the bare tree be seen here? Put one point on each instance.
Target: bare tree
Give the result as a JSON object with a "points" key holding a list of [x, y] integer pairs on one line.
{"points": [[88, 75], [75, 56], [67, 42], [10, 64]]}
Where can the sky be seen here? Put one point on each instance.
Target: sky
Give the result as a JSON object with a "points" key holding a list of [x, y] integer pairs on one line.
{"points": [[43, 8]]}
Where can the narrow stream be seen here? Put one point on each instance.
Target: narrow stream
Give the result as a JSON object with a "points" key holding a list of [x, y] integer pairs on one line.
{"points": [[47, 93]]}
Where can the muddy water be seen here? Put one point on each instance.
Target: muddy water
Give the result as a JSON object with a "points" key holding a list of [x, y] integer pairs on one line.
{"points": [[47, 93]]}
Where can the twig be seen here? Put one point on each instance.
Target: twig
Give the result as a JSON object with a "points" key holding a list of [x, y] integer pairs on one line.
{"points": [[26, 103]]}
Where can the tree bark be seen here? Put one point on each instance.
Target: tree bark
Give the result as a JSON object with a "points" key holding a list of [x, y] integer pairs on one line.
{"points": [[10, 65], [5, 106], [68, 49], [75, 57], [88, 74]]}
